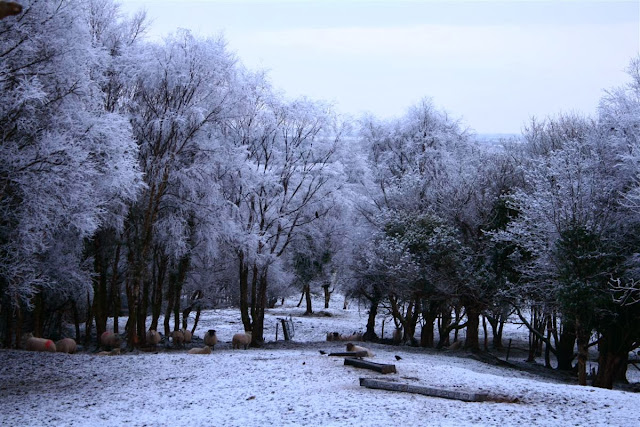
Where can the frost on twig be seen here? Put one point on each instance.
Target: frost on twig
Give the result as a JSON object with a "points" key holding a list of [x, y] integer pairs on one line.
{"points": [[625, 294]]}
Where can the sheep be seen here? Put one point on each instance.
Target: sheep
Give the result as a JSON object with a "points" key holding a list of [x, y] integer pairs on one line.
{"points": [[153, 337], [241, 339], [40, 344], [114, 352], [457, 345], [66, 345], [357, 348], [178, 338], [24, 338], [210, 338], [356, 336], [110, 340], [333, 336], [204, 350], [8, 8], [187, 335]]}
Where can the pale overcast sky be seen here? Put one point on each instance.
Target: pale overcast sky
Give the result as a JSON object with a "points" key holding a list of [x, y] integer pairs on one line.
{"points": [[494, 64]]}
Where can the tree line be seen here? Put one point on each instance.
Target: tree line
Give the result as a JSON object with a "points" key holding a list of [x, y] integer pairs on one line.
{"points": [[154, 179]]}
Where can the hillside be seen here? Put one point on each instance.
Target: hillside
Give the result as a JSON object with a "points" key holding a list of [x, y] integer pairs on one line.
{"points": [[288, 383]]}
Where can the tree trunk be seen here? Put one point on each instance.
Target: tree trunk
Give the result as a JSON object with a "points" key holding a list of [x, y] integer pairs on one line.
{"points": [[306, 290], [195, 321], [547, 347], [473, 322], [443, 329], [257, 331], [89, 322], [100, 287], [532, 337], [133, 299], [254, 293], [565, 346], [427, 336], [19, 323], [38, 315], [497, 326], [115, 289], [613, 358], [582, 336], [244, 291], [370, 333], [455, 334], [327, 294], [76, 318], [413, 314], [497, 338], [170, 303], [142, 314], [162, 264], [176, 306], [409, 320], [484, 329], [180, 278]]}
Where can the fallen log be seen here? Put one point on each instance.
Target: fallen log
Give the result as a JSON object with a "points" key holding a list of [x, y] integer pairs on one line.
{"points": [[378, 367], [350, 354], [426, 391]]}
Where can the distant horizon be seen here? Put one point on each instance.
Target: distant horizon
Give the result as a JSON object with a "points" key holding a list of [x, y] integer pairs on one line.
{"points": [[492, 64]]}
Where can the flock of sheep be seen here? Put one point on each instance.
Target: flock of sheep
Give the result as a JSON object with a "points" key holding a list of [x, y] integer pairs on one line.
{"points": [[111, 342]]}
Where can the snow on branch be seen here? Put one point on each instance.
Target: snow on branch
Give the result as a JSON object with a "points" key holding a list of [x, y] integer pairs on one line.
{"points": [[625, 294]]}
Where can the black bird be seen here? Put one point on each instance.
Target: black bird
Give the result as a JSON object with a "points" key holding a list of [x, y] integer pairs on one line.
{"points": [[398, 357]]}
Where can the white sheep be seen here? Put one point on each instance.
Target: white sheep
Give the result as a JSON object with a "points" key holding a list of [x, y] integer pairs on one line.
{"points": [[204, 350], [110, 340], [40, 344], [178, 338], [114, 352], [357, 348], [66, 345], [241, 340], [153, 337]]}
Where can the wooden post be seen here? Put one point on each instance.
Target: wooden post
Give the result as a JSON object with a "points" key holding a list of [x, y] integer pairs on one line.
{"points": [[286, 332], [350, 354], [508, 349], [378, 367], [426, 391]]}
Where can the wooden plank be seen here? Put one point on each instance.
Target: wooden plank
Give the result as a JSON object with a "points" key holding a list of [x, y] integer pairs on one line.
{"points": [[426, 391], [350, 354], [378, 367]]}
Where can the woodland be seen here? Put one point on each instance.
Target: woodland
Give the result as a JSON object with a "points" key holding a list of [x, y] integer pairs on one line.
{"points": [[158, 179]]}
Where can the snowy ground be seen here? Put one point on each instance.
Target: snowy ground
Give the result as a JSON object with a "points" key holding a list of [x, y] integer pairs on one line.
{"points": [[287, 384]]}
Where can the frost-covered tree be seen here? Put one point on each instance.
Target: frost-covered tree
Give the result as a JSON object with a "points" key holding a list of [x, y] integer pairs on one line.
{"points": [[288, 172], [67, 165], [571, 229], [183, 93], [116, 41], [619, 117], [424, 165]]}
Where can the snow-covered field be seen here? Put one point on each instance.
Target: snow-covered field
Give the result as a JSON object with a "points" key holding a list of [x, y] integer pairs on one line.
{"points": [[287, 384]]}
